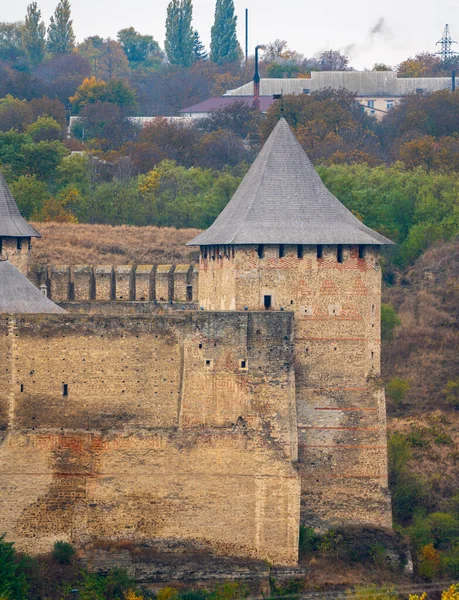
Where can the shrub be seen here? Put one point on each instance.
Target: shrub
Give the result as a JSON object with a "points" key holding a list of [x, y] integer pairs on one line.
{"points": [[167, 593], [451, 392], [309, 539], [452, 593], [396, 390], [194, 595], [429, 562], [389, 320], [450, 563], [63, 552]]}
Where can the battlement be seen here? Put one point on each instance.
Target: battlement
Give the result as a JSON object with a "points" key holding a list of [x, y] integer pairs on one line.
{"points": [[125, 283]]}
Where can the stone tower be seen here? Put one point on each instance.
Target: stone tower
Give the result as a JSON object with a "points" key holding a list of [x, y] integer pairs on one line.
{"points": [[15, 232], [284, 242]]}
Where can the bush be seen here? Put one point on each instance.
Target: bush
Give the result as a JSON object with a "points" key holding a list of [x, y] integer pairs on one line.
{"points": [[410, 492], [389, 320], [63, 552], [429, 562], [451, 392], [396, 390], [309, 539]]}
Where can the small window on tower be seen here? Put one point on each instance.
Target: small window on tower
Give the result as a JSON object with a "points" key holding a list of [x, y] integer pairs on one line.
{"points": [[1, 246], [65, 390], [339, 253], [243, 364], [261, 251], [281, 251], [362, 251], [320, 251], [19, 243], [300, 251], [267, 302]]}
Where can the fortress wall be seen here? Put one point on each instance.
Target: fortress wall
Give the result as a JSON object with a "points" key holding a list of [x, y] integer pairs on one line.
{"points": [[60, 282], [145, 282], [181, 281], [123, 283], [149, 441], [340, 401], [104, 276], [83, 283]]}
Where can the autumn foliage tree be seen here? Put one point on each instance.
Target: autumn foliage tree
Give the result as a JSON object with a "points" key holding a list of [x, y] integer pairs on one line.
{"points": [[93, 90]]}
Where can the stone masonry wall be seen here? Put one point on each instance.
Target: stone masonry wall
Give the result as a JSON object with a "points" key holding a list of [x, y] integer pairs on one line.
{"points": [[17, 253], [179, 428], [340, 402], [123, 283]]}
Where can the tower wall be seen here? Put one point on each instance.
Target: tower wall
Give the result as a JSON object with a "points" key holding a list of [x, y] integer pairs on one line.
{"points": [[17, 251], [340, 402]]}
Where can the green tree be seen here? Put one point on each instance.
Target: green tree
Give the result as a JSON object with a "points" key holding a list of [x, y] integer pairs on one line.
{"points": [[179, 33], [61, 38], [43, 158], [30, 194], [11, 48], [13, 585], [224, 46], [140, 50], [44, 128], [34, 34], [199, 50]]}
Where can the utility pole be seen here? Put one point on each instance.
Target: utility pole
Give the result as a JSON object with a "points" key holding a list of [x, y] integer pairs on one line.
{"points": [[246, 35]]}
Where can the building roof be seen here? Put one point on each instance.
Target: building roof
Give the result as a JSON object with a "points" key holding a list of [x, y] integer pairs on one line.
{"points": [[18, 295], [223, 101], [362, 83], [12, 224], [282, 200]]}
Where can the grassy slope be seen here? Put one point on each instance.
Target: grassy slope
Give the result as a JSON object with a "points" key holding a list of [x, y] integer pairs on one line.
{"points": [[425, 353], [67, 244]]}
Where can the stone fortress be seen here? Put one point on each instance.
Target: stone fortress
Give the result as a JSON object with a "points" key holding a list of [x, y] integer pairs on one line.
{"points": [[215, 407]]}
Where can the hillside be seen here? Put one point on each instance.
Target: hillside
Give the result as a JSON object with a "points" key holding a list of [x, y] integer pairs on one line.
{"points": [[424, 349], [70, 244]]}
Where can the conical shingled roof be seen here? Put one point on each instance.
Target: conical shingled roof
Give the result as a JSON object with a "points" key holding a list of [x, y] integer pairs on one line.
{"points": [[282, 200], [12, 224], [19, 296]]}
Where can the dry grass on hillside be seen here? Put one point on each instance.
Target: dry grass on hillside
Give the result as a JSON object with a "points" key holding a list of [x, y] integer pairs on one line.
{"points": [[69, 244], [424, 351]]}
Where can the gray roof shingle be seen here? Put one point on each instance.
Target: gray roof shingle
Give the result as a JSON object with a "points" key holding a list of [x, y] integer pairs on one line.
{"points": [[12, 224], [18, 295], [282, 200]]}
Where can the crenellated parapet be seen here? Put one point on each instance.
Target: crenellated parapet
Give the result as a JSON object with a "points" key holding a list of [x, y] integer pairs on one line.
{"points": [[122, 283]]}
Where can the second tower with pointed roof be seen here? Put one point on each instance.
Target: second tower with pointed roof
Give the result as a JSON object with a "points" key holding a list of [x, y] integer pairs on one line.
{"points": [[284, 242]]}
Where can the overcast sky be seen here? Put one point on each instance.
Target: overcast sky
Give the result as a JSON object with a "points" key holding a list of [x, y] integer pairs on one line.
{"points": [[368, 32]]}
